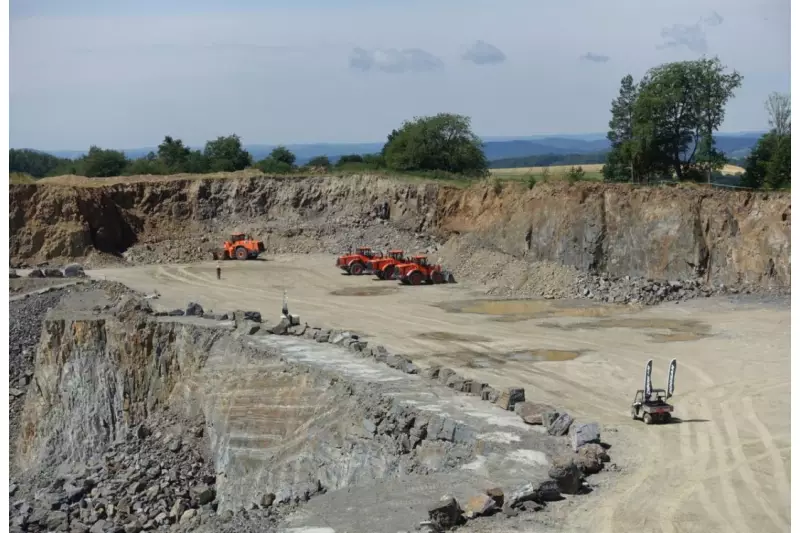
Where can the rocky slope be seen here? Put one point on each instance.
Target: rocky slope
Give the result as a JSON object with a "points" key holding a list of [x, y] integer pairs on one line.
{"points": [[661, 233]]}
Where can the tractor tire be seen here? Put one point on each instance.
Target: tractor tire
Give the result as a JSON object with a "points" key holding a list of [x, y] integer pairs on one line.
{"points": [[388, 272], [416, 278], [356, 268], [437, 277], [633, 413], [451, 278], [241, 253], [647, 419], [667, 418], [379, 274]]}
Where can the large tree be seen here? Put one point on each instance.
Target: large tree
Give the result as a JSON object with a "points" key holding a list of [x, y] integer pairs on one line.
{"points": [[770, 162], [443, 142], [676, 109], [226, 154], [99, 163], [174, 154]]}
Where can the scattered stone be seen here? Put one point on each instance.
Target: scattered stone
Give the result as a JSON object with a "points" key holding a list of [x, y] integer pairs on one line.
{"points": [[479, 505], [455, 382], [531, 413], [174, 445], [560, 426], [566, 473], [281, 328], [445, 514], [187, 515], [35, 273], [444, 375], [488, 394], [267, 500], [509, 397], [497, 494], [13, 274], [53, 273], [175, 312], [74, 270], [584, 434], [590, 458], [520, 494], [431, 372], [16, 393]]}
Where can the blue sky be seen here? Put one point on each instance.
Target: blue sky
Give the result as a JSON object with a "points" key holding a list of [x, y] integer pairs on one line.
{"points": [[123, 73]]}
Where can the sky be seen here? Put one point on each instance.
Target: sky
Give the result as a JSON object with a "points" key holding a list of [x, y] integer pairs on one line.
{"points": [[124, 74]]}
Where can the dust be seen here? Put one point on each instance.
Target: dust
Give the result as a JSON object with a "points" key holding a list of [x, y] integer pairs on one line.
{"points": [[364, 291], [666, 329], [448, 336], [519, 310]]}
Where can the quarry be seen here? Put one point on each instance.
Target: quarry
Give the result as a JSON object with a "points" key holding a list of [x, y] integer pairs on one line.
{"points": [[150, 393]]}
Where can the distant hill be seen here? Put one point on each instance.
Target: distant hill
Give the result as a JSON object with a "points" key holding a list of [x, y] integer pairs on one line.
{"points": [[735, 145]]}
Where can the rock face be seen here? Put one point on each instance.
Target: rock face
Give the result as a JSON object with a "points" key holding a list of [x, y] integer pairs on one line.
{"points": [[649, 232]]}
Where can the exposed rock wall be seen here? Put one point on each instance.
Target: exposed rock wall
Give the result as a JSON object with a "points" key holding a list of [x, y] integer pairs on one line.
{"points": [[661, 233]]}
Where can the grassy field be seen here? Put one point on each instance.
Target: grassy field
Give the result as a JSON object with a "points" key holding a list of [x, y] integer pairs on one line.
{"points": [[558, 172]]}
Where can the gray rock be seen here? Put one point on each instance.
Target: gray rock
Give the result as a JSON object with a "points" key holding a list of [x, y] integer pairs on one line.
{"points": [[531, 413], [175, 312], [584, 434], [590, 458], [479, 505], [35, 273], [98, 527], [74, 270], [455, 382], [431, 372], [497, 494], [174, 444], [520, 494], [560, 426], [206, 496], [444, 514], [187, 515], [53, 273], [194, 309], [488, 394], [281, 328], [55, 519], [267, 500], [566, 473], [444, 375], [509, 397], [548, 491]]}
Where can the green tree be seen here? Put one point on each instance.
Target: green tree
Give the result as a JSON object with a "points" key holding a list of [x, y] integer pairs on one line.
{"points": [[444, 142], [320, 161], [149, 164], [619, 161], [99, 163], [769, 164], [37, 164], [282, 154], [350, 158], [173, 154], [226, 154], [575, 174], [779, 109], [268, 165]]}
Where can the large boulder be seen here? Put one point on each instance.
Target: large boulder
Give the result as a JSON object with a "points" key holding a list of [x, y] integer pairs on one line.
{"points": [[560, 426], [531, 413], [479, 505], [590, 458], [583, 434], [566, 473], [509, 397], [74, 270], [194, 309], [444, 514], [36, 273], [53, 273]]}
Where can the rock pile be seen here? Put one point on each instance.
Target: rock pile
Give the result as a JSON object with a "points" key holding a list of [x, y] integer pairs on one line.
{"points": [[156, 479]]}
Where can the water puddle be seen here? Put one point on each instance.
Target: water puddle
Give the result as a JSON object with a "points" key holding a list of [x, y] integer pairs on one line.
{"points": [[454, 337], [364, 291], [660, 329], [519, 310]]}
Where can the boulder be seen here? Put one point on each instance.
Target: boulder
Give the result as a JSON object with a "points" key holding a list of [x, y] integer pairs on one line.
{"points": [[583, 434], [193, 309], [432, 372], [455, 382], [13, 274], [509, 397], [548, 491], [444, 375], [74, 270], [590, 458], [267, 500], [281, 328], [53, 273], [497, 494], [520, 494], [560, 426], [566, 474], [35, 273], [488, 394], [531, 413], [444, 514], [479, 505]]}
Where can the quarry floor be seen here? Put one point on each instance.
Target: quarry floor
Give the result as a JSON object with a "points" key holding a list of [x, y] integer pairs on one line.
{"points": [[722, 466]]}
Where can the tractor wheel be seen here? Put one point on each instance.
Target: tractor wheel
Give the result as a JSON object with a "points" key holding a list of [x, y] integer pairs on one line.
{"points": [[633, 413], [388, 272], [356, 268], [667, 418], [241, 253], [647, 419], [437, 277], [451, 278], [379, 274], [416, 278]]}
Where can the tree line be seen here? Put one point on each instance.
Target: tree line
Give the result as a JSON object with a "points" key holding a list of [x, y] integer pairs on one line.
{"points": [[662, 128], [439, 145]]}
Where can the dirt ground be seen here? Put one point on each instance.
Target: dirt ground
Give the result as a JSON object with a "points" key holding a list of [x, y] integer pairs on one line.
{"points": [[723, 466]]}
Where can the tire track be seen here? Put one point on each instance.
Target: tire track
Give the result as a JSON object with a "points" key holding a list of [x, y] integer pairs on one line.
{"points": [[704, 450], [726, 489], [778, 470], [669, 513], [744, 467]]}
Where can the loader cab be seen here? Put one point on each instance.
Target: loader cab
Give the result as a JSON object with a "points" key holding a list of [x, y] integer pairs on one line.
{"points": [[396, 254], [365, 251], [657, 397], [237, 237], [421, 260]]}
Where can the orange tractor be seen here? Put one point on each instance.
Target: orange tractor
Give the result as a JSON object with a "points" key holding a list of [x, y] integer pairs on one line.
{"points": [[418, 271], [240, 247], [384, 267], [356, 263]]}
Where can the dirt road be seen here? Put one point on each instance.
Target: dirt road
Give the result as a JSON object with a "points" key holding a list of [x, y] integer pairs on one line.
{"points": [[723, 467]]}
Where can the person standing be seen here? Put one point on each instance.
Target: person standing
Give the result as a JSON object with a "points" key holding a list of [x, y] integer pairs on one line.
{"points": [[219, 272]]}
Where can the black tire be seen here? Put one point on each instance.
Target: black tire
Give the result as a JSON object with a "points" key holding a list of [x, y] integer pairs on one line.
{"points": [[647, 419], [416, 278], [667, 418], [379, 274], [388, 272], [356, 268], [437, 277], [633, 413], [241, 253]]}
